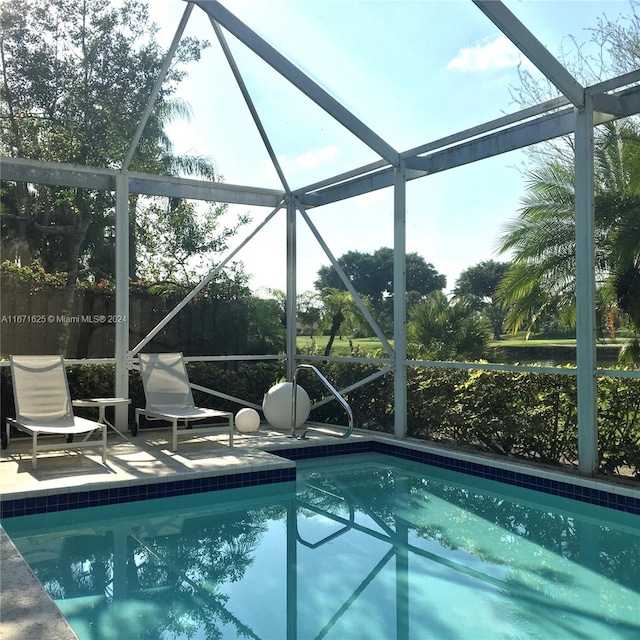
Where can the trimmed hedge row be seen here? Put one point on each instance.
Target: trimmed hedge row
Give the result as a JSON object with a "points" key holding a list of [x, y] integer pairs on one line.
{"points": [[524, 415]]}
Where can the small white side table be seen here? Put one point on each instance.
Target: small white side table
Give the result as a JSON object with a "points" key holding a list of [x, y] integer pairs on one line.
{"points": [[102, 404]]}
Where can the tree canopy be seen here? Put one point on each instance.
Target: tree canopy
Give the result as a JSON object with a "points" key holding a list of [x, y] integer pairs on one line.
{"points": [[478, 285], [77, 75], [75, 78], [371, 274]]}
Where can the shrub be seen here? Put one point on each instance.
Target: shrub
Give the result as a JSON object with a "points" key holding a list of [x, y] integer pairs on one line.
{"points": [[527, 415], [618, 429]]}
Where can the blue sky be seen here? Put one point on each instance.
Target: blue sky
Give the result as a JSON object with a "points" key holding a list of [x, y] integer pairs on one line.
{"points": [[413, 71]]}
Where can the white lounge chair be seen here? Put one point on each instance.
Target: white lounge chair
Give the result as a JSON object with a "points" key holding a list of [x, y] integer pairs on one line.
{"points": [[43, 406], [168, 395]]}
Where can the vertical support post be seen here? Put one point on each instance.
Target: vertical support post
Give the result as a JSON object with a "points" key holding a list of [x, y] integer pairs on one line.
{"points": [[586, 355], [122, 298], [400, 298], [290, 303]]}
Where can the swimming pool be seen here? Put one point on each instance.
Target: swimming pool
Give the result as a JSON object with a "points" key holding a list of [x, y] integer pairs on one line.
{"points": [[360, 546]]}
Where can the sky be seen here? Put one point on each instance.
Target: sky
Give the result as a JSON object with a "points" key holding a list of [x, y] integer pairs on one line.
{"points": [[413, 71]]}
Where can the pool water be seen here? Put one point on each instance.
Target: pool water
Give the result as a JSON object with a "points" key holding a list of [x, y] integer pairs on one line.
{"points": [[359, 547]]}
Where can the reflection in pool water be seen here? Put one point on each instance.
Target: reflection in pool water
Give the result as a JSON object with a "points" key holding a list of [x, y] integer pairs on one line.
{"points": [[359, 547]]}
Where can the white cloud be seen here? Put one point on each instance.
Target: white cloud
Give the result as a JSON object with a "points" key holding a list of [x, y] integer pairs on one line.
{"points": [[489, 55]]}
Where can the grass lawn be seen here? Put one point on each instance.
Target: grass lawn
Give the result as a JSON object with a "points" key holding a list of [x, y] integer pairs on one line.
{"points": [[518, 341], [342, 345]]}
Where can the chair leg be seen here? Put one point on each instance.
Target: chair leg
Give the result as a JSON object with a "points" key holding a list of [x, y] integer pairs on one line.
{"points": [[104, 444], [175, 434], [5, 435], [34, 449]]}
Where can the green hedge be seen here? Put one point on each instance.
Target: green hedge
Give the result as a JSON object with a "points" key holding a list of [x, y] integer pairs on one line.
{"points": [[523, 415], [528, 415]]}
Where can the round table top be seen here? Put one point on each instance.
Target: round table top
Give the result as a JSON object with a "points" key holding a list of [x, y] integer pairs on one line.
{"points": [[88, 402]]}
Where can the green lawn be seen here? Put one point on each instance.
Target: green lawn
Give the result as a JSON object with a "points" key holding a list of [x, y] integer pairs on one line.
{"points": [[518, 341], [342, 347]]}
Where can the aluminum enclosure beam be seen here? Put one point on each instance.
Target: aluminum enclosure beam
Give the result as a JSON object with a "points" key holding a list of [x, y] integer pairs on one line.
{"points": [[356, 187], [203, 190], [66, 175], [378, 175], [586, 326], [509, 139], [249, 102], [121, 346], [299, 79], [400, 301], [516, 137], [156, 87], [353, 183], [461, 151], [292, 288], [531, 47]]}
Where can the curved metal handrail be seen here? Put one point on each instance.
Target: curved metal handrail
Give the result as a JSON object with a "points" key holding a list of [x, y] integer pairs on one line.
{"points": [[338, 397], [346, 526]]}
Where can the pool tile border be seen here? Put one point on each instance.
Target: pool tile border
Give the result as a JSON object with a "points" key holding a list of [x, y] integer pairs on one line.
{"points": [[583, 490], [133, 492]]}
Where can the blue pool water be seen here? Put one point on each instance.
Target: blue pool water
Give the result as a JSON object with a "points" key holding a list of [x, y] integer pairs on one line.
{"points": [[360, 547]]}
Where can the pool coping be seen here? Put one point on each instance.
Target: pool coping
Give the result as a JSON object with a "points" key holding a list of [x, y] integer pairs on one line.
{"points": [[24, 592]]}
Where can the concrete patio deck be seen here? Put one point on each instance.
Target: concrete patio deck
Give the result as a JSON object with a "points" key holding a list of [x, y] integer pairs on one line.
{"points": [[144, 458]]}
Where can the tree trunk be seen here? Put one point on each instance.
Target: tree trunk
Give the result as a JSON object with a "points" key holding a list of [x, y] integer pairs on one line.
{"points": [[336, 322], [73, 269]]}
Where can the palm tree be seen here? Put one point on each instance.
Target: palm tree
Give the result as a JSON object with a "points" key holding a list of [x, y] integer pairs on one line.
{"points": [[155, 154], [541, 280], [340, 313], [441, 330], [542, 240]]}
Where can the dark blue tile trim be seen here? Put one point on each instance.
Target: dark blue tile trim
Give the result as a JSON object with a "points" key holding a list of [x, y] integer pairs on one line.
{"points": [[79, 500], [517, 478], [101, 497], [343, 448]]}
